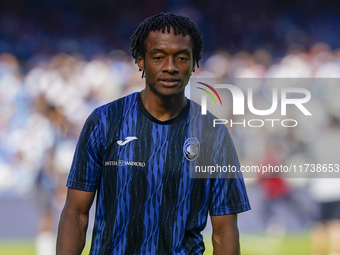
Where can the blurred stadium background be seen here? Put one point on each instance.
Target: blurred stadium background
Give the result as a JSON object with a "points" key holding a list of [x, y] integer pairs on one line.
{"points": [[61, 59]]}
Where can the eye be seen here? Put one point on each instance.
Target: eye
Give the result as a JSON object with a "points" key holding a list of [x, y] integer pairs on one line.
{"points": [[183, 58], [157, 58]]}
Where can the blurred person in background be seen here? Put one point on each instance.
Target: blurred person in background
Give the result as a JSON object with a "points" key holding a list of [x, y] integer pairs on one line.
{"points": [[278, 193], [326, 192], [51, 174]]}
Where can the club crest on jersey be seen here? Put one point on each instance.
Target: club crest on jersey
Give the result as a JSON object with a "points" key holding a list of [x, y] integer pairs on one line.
{"points": [[191, 148]]}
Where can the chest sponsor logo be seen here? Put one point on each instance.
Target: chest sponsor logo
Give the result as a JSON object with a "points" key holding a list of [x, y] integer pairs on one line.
{"points": [[191, 148], [124, 163], [127, 140]]}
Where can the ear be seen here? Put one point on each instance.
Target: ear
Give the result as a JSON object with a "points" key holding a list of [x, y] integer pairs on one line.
{"points": [[140, 63]]}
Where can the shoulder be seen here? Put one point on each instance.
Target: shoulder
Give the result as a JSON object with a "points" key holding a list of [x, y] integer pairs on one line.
{"points": [[117, 109], [206, 122], [118, 105], [103, 116]]}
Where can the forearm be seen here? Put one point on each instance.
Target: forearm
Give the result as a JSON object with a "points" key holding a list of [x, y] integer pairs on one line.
{"points": [[71, 233]]}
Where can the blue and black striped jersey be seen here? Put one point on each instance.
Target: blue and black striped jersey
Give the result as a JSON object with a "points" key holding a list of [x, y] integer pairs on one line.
{"points": [[147, 202]]}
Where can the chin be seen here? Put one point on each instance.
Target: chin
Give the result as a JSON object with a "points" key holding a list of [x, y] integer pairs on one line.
{"points": [[169, 92]]}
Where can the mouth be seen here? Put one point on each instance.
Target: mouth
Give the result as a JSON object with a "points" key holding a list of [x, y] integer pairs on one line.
{"points": [[169, 82]]}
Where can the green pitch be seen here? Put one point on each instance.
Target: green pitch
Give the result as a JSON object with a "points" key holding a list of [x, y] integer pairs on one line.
{"points": [[251, 244]]}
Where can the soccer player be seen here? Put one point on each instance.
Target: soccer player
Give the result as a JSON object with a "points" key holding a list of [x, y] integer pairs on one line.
{"points": [[136, 153]]}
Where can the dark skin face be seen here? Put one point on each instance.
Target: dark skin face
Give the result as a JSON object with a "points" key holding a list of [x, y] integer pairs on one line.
{"points": [[168, 64]]}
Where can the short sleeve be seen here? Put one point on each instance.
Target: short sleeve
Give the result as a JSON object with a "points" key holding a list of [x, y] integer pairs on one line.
{"points": [[228, 196], [228, 192], [87, 163]]}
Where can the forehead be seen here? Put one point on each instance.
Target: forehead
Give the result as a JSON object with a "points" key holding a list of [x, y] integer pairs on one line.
{"points": [[167, 41]]}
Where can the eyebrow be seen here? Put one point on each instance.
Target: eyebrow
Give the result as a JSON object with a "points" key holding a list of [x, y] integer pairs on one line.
{"points": [[183, 51]]}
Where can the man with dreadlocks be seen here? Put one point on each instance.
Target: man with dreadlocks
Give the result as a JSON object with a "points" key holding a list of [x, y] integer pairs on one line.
{"points": [[130, 152]]}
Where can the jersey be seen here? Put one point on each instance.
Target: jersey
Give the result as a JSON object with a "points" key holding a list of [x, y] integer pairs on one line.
{"points": [[147, 203]]}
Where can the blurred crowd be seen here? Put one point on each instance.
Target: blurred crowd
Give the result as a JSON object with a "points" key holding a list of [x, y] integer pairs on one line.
{"points": [[28, 28], [44, 104], [42, 112], [42, 109]]}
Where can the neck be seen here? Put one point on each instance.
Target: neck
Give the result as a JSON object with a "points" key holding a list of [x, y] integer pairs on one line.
{"points": [[163, 108]]}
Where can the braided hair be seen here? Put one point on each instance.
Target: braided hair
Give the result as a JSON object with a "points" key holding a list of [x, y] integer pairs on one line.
{"points": [[181, 25]]}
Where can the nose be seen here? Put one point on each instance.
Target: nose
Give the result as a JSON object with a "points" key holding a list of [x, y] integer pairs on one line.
{"points": [[170, 65]]}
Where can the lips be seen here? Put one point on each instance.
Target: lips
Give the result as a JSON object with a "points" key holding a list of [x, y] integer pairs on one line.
{"points": [[169, 81]]}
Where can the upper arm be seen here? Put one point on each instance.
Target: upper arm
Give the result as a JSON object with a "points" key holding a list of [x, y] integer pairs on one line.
{"points": [[224, 223], [228, 191], [79, 201], [87, 165], [225, 237], [74, 221]]}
